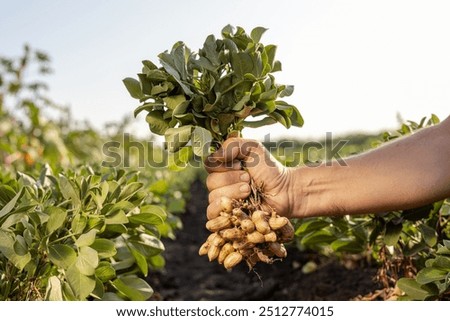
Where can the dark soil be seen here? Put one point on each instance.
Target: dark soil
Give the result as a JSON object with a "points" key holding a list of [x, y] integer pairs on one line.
{"points": [[187, 276]]}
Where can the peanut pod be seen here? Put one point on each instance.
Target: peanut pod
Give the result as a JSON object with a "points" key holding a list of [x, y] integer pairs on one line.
{"points": [[213, 252], [232, 234], [218, 223], [270, 237], [261, 224], [278, 249], [204, 249], [247, 225], [286, 233], [218, 240], [276, 223], [240, 214], [255, 237], [232, 260], [224, 252], [226, 204]]}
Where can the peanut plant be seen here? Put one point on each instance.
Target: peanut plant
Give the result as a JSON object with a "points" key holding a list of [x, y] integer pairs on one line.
{"points": [[207, 96]]}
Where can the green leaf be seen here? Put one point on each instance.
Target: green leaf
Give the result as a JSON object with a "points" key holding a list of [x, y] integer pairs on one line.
{"points": [[242, 63], [173, 101], [347, 245], [80, 284], [392, 233], [133, 287], [429, 235], [430, 274], [173, 63], [178, 137], [289, 90], [209, 50], [13, 219], [57, 217], [157, 262], [78, 224], [53, 291], [68, 192], [296, 118], [20, 246], [413, 289], [156, 122], [443, 250], [241, 103], [159, 187], [434, 119], [201, 141], [129, 190], [259, 123], [62, 255], [87, 260], [134, 87], [146, 218], [99, 290], [86, 239], [442, 262], [104, 247], [7, 248], [257, 33], [147, 107], [276, 66], [316, 237], [10, 205], [118, 217], [105, 271], [125, 206], [25, 179], [310, 225], [140, 260], [154, 209], [149, 246], [117, 229]]}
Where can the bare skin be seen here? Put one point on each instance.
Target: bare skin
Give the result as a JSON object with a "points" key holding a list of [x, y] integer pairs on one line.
{"points": [[406, 173]]}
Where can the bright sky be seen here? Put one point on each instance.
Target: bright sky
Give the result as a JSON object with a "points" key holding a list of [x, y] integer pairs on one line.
{"points": [[355, 64]]}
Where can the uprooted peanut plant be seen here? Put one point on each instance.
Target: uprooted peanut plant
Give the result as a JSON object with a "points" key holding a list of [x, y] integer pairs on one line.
{"points": [[205, 97]]}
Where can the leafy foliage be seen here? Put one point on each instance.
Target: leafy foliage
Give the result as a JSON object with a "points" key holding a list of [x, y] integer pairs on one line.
{"points": [[206, 96], [77, 235], [70, 230], [32, 125]]}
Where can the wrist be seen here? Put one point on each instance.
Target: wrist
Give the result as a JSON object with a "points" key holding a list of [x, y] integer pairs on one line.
{"points": [[311, 192]]}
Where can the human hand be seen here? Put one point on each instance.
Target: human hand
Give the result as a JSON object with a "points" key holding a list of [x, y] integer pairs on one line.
{"points": [[236, 163]]}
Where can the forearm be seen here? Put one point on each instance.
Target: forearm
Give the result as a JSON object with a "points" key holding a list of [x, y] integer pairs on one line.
{"points": [[405, 173]]}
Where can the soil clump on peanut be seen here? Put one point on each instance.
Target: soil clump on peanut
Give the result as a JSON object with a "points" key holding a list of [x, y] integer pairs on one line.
{"points": [[188, 276]]}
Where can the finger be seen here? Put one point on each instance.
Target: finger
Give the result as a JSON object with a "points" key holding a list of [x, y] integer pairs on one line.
{"points": [[214, 165], [221, 179], [236, 148], [236, 191]]}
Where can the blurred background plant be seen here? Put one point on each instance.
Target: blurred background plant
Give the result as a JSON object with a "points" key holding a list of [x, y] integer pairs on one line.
{"points": [[70, 228]]}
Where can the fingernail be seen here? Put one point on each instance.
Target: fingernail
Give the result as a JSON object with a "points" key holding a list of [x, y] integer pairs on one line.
{"points": [[245, 177], [244, 188]]}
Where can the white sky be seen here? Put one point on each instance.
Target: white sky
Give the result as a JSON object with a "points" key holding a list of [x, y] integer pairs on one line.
{"points": [[354, 64]]}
